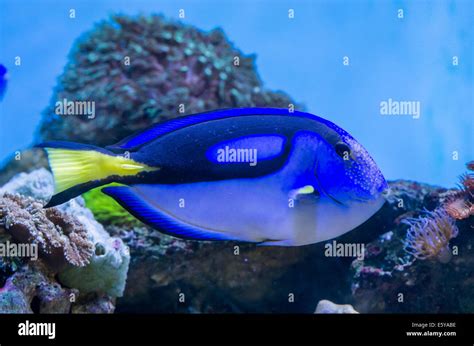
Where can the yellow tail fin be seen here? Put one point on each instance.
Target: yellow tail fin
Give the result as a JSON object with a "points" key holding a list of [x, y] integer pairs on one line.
{"points": [[73, 167]]}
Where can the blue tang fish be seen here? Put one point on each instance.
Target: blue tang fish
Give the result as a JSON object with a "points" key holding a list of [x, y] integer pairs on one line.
{"points": [[3, 81], [262, 175]]}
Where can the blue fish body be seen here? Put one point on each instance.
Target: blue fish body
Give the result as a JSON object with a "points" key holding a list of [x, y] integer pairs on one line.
{"points": [[260, 175], [3, 81]]}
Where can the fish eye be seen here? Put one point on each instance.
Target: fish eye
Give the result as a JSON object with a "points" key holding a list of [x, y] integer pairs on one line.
{"points": [[343, 150]]}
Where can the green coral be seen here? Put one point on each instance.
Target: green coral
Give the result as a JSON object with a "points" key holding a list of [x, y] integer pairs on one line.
{"points": [[106, 210]]}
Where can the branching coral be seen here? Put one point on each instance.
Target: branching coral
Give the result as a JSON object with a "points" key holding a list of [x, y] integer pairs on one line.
{"points": [[61, 238], [428, 236]]}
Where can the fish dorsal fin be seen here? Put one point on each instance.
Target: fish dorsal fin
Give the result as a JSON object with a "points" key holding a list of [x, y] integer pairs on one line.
{"points": [[132, 200], [135, 141]]}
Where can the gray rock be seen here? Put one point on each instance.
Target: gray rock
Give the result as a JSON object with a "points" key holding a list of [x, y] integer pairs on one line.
{"points": [[37, 184], [328, 307]]}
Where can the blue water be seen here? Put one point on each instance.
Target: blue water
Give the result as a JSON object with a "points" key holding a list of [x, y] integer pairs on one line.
{"points": [[407, 59]]}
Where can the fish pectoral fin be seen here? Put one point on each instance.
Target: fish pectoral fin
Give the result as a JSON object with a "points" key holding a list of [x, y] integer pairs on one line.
{"points": [[137, 205], [302, 191]]}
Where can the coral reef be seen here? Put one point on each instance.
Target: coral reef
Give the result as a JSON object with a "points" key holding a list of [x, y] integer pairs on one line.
{"points": [[140, 70], [107, 257], [61, 239], [30, 290], [213, 276], [389, 280], [70, 240]]}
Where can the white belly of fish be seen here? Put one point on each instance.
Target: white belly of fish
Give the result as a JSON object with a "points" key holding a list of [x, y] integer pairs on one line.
{"points": [[257, 210]]}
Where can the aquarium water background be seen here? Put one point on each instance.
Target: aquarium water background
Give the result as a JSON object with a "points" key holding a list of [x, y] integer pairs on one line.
{"points": [[404, 59], [340, 60]]}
